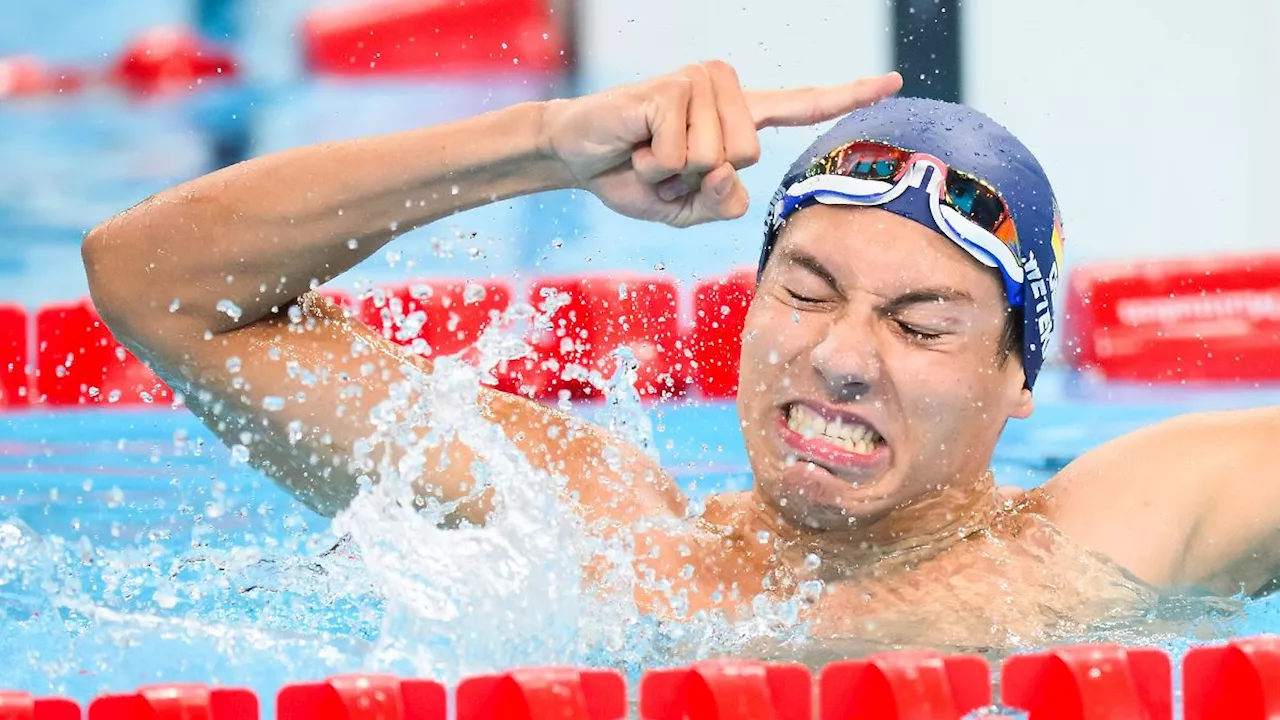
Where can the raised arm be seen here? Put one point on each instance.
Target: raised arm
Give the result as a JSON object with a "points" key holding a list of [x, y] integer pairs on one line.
{"points": [[209, 282], [203, 282]]}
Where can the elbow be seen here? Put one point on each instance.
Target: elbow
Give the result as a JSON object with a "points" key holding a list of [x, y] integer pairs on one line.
{"points": [[105, 278]]}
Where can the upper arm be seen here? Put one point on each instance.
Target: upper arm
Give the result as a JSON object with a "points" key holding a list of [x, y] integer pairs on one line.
{"points": [[299, 394], [1193, 501]]}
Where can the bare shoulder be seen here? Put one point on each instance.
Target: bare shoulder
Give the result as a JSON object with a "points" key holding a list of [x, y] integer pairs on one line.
{"points": [[1144, 498]]}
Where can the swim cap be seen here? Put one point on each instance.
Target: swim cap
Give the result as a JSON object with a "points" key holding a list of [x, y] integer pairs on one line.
{"points": [[964, 140]]}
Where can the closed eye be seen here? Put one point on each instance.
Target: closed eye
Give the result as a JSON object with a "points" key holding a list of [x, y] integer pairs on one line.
{"points": [[916, 333], [802, 298]]}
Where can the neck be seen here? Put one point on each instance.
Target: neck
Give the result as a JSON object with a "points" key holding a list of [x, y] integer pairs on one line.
{"points": [[900, 538]]}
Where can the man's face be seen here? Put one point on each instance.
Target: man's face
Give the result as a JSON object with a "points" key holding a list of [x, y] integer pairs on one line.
{"points": [[871, 368]]}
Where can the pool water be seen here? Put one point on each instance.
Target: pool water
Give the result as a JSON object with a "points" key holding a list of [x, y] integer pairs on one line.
{"points": [[134, 549]]}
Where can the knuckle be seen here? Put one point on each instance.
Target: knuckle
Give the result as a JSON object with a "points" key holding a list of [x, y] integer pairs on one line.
{"points": [[676, 86], [704, 160], [721, 70], [749, 153], [667, 163], [698, 71]]}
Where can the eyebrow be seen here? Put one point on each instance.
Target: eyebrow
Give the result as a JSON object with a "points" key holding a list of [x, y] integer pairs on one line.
{"points": [[922, 296], [918, 296], [813, 265]]}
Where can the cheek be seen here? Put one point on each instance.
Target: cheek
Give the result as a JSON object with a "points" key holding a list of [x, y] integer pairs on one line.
{"points": [[774, 335]]}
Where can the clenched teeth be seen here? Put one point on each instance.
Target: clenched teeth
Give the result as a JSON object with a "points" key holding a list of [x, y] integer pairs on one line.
{"points": [[852, 436]]}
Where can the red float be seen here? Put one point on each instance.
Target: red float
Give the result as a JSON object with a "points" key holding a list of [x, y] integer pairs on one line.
{"points": [[549, 692], [27, 76], [593, 317], [720, 315], [728, 690], [413, 37], [905, 686], [22, 706], [79, 362], [182, 701], [1197, 319], [362, 697], [1236, 681], [442, 317], [170, 59], [1090, 682], [14, 390]]}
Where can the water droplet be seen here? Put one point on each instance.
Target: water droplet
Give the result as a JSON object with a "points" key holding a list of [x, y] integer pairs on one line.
{"points": [[239, 454], [273, 403], [453, 190], [164, 598], [146, 397], [763, 536], [473, 293], [811, 562], [173, 306], [810, 590], [233, 364], [352, 244], [231, 309], [114, 396]]}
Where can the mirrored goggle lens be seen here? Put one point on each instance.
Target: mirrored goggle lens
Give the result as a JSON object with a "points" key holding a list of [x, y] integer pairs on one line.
{"points": [[971, 197]]}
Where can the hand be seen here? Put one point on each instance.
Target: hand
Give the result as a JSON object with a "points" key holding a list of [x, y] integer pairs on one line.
{"points": [[669, 149]]}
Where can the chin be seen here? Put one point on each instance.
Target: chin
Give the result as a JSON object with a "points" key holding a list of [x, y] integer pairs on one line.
{"points": [[808, 495]]}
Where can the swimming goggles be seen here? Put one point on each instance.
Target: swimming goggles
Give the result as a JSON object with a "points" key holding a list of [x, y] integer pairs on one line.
{"points": [[963, 207]]}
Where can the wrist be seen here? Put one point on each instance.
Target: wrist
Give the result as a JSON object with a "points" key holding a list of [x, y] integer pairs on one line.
{"points": [[546, 146]]}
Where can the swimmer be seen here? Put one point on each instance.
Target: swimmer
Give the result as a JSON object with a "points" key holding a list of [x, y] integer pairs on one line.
{"points": [[906, 293]]}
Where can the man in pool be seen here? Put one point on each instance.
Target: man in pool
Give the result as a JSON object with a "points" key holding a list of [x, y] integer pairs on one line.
{"points": [[903, 304]]}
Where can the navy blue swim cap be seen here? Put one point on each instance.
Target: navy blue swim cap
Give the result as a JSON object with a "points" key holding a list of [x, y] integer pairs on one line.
{"points": [[964, 140]]}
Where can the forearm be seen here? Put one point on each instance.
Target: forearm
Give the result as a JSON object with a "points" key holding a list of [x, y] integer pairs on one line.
{"points": [[261, 233]]}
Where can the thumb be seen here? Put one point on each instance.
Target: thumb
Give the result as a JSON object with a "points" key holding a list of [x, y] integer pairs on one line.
{"points": [[721, 196], [809, 106]]}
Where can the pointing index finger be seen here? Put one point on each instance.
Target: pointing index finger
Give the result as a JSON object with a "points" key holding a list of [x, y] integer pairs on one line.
{"points": [[809, 106]]}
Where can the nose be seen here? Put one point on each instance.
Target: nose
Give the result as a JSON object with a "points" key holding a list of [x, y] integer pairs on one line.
{"points": [[847, 358]]}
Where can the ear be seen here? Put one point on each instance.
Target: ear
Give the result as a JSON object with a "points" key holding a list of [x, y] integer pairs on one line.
{"points": [[1023, 405]]}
